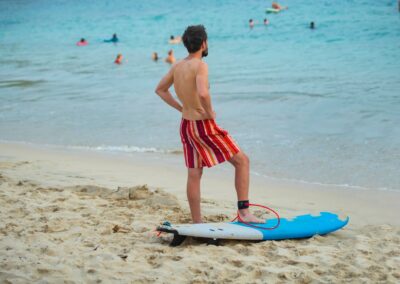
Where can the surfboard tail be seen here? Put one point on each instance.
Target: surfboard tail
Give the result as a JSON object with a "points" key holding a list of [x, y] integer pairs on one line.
{"points": [[177, 240]]}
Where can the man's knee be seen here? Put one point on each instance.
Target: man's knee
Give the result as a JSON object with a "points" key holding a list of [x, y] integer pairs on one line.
{"points": [[195, 173], [240, 160]]}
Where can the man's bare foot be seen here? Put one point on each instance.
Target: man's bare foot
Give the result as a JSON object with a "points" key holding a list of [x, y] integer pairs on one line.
{"points": [[247, 217]]}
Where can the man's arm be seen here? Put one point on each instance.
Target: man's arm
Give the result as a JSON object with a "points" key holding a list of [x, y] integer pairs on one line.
{"points": [[202, 89], [163, 90]]}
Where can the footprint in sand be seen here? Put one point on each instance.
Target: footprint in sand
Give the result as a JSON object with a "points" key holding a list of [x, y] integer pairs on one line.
{"points": [[154, 261]]}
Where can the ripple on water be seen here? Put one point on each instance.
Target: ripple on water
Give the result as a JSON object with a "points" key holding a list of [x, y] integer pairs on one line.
{"points": [[20, 83]]}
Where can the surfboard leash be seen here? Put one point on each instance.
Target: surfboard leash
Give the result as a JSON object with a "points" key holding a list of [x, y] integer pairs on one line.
{"points": [[259, 227]]}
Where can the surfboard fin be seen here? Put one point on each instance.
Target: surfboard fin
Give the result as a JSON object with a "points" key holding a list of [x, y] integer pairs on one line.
{"points": [[177, 240], [213, 242]]}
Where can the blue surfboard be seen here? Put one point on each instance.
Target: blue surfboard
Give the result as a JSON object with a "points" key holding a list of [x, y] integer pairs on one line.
{"points": [[303, 226]]}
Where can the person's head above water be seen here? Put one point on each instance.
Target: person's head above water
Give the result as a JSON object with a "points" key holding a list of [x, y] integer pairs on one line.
{"points": [[312, 25], [83, 40], [119, 58], [114, 36], [171, 37], [251, 23], [155, 56], [195, 39]]}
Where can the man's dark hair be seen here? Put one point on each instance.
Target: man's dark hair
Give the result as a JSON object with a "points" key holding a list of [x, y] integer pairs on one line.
{"points": [[193, 37]]}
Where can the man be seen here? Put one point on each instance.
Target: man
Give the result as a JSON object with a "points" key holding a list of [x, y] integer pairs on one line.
{"points": [[204, 142], [174, 40], [119, 58], [277, 6], [170, 58], [154, 56], [114, 39], [251, 23]]}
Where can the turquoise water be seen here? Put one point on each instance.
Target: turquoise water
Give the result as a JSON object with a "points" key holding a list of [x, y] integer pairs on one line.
{"points": [[320, 106]]}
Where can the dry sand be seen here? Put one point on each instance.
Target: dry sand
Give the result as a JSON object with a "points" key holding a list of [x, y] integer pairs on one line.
{"points": [[81, 217]]}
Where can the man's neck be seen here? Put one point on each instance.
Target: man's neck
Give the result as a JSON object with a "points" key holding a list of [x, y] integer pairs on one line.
{"points": [[195, 55]]}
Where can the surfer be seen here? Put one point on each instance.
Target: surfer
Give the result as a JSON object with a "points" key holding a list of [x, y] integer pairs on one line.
{"points": [[114, 39], [174, 40], [205, 144], [277, 6]]}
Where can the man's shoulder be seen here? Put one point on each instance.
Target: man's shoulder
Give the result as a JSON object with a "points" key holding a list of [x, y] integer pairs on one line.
{"points": [[195, 64], [202, 66]]}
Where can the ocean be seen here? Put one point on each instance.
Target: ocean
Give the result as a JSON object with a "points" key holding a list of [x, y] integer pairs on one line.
{"points": [[317, 106]]}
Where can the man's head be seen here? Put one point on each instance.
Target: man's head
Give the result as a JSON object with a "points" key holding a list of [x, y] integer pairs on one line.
{"points": [[170, 52], [195, 39]]}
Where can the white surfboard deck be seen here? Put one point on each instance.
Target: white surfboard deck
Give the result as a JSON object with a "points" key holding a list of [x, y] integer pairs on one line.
{"points": [[303, 226], [218, 231]]}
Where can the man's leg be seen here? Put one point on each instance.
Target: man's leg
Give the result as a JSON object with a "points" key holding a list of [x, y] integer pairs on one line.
{"points": [[193, 193], [242, 177]]}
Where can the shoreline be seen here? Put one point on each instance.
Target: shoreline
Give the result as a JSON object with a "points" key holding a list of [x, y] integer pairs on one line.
{"points": [[168, 155], [75, 166]]}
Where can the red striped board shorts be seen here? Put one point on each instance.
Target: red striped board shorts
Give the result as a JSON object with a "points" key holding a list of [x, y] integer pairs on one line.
{"points": [[205, 143]]}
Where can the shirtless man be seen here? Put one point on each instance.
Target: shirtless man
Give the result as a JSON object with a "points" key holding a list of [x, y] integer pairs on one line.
{"points": [[204, 142]]}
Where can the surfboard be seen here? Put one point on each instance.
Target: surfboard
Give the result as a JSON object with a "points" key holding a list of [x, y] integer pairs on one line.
{"points": [[272, 10], [303, 226]]}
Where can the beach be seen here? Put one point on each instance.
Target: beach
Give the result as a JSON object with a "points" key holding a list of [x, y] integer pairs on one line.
{"points": [[91, 159], [80, 216]]}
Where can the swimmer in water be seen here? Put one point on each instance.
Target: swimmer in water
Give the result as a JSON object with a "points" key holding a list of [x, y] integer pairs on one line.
{"points": [[114, 39], [175, 40], [266, 22], [82, 42], [170, 58], [276, 5], [119, 58], [312, 25], [154, 56], [251, 23]]}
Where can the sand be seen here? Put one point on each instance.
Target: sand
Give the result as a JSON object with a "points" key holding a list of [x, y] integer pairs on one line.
{"points": [[69, 216]]}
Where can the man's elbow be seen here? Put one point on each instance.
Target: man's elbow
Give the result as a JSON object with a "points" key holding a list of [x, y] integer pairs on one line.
{"points": [[158, 91], [203, 95]]}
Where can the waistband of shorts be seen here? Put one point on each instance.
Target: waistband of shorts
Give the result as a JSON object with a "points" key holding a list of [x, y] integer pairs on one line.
{"points": [[189, 120]]}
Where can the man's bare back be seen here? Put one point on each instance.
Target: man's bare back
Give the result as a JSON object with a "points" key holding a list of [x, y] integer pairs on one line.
{"points": [[190, 78]]}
